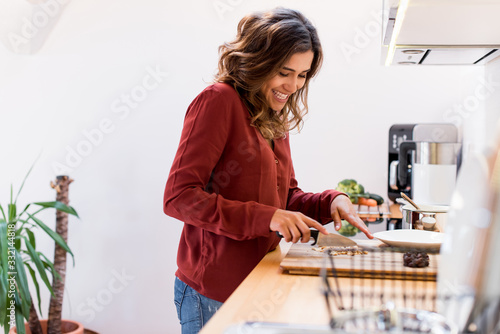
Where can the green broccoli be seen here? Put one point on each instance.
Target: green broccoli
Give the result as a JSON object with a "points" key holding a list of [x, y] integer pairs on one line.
{"points": [[359, 189], [350, 186], [348, 183], [348, 230], [355, 190]]}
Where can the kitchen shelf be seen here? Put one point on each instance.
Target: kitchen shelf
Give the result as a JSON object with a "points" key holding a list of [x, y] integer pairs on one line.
{"points": [[381, 211]]}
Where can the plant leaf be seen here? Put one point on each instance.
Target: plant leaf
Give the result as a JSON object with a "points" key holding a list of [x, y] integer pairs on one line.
{"points": [[37, 287], [25, 222], [59, 206], [4, 300], [4, 261], [25, 208], [38, 263], [5, 324], [3, 213], [3, 270], [7, 299], [49, 264], [24, 180], [56, 237], [31, 237], [3, 247], [12, 212], [22, 286], [20, 321], [17, 242]]}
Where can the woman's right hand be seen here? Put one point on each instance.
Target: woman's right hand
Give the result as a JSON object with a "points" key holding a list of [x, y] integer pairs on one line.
{"points": [[294, 226]]}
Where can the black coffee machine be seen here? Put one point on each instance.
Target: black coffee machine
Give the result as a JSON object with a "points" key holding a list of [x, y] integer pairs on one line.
{"points": [[425, 132]]}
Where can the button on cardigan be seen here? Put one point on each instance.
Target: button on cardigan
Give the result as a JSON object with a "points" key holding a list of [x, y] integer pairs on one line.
{"points": [[225, 184]]}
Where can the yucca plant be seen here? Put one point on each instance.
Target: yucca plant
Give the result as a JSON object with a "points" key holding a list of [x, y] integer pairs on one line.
{"points": [[20, 259]]}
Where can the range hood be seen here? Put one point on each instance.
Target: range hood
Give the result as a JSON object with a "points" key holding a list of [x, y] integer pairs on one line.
{"points": [[441, 32]]}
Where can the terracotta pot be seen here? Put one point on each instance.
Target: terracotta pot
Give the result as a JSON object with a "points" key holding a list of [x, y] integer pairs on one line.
{"points": [[67, 327], [89, 331]]}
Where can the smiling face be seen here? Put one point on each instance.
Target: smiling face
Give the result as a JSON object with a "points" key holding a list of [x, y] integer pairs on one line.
{"points": [[290, 78]]}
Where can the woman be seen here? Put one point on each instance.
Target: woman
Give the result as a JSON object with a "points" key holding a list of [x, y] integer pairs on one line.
{"points": [[232, 181]]}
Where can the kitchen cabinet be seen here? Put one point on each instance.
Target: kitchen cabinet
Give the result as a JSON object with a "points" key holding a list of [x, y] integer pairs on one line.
{"points": [[444, 32]]}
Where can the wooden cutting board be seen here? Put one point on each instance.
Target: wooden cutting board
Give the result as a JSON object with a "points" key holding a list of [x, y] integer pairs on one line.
{"points": [[380, 262]]}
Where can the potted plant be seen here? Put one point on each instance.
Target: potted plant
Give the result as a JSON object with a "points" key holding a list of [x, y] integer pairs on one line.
{"points": [[19, 257]]}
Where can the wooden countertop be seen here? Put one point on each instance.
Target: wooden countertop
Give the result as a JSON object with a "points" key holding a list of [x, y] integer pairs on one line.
{"points": [[268, 295]]}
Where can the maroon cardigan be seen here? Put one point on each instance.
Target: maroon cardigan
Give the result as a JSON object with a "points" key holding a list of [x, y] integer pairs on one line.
{"points": [[225, 185]]}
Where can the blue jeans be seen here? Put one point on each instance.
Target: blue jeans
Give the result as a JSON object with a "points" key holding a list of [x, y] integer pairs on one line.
{"points": [[193, 309]]}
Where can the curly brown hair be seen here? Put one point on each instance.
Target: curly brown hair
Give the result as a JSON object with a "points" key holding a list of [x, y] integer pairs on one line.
{"points": [[264, 43]]}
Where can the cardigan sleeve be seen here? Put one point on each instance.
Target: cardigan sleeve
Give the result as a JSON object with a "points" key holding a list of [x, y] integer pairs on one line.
{"points": [[205, 132], [314, 205]]}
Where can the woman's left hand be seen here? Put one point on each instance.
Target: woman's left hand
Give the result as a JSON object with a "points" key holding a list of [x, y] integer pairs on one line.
{"points": [[342, 208]]}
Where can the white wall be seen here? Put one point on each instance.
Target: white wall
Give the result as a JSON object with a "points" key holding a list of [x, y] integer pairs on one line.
{"points": [[51, 101]]}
